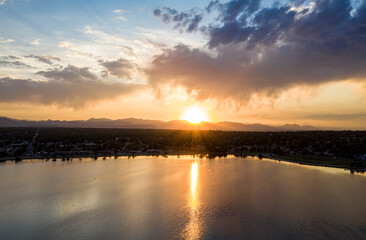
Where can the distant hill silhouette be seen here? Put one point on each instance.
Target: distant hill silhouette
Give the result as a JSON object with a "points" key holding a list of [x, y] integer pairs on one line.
{"points": [[151, 124]]}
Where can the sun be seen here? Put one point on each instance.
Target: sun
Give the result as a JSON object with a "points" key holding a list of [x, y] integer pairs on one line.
{"points": [[195, 115]]}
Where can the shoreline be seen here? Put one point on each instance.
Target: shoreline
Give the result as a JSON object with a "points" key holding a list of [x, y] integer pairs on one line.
{"points": [[306, 163], [310, 161]]}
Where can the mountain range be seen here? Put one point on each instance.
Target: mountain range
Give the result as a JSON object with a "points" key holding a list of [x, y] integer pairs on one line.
{"points": [[152, 124]]}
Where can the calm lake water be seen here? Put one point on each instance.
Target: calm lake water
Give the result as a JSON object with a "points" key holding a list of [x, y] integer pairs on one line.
{"points": [[180, 198]]}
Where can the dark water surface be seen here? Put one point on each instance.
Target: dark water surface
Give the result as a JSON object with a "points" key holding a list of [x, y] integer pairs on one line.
{"points": [[180, 198]]}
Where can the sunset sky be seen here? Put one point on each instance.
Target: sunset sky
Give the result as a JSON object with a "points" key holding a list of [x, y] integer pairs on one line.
{"points": [[271, 62]]}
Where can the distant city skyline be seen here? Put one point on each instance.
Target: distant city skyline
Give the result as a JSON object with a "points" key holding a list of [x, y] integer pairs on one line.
{"points": [[270, 62]]}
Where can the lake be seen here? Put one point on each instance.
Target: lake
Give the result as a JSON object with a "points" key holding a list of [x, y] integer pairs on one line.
{"points": [[180, 198]]}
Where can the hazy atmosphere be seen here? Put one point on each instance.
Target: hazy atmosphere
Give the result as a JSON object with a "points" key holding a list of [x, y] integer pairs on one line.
{"points": [[216, 119], [271, 62]]}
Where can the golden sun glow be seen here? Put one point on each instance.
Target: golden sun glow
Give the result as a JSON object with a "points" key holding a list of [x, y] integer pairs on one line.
{"points": [[195, 115]]}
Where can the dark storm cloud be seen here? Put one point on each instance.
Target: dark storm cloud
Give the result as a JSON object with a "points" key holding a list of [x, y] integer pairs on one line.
{"points": [[68, 87], [266, 50], [44, 58], [121, 68], [269, 24], [232, 10], [187, 21]]}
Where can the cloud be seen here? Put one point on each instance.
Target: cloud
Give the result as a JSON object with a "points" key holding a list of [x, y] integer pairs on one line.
{"points": [[9, 40], [266, 26], [187, 21], [74, 49], [35, 42], [122, 18], [69, 74], [121, 12], [48, 59], [100, 37], [71, 87], [253, 50], [2, 2], [10, 57], [199, 72], [16, 64], [154, 44], [128, 51], [121, 68], [65, 44]]}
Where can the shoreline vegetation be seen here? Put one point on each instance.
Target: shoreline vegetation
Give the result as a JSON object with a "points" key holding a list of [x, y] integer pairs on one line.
{"points": [[338, 149]]}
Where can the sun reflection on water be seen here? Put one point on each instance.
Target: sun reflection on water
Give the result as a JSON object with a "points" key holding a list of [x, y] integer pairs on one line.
{"points": [[194, 178], [193, 228]]}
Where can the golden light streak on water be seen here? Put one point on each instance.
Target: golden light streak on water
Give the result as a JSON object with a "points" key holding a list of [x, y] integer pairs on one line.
{"points": [[194, 180], [193, 228]]}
